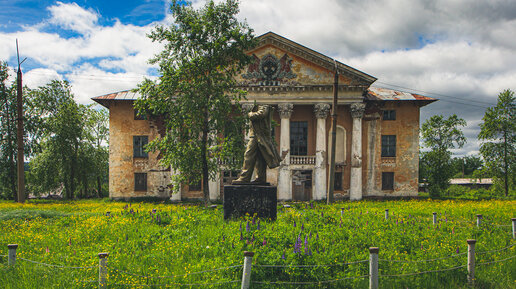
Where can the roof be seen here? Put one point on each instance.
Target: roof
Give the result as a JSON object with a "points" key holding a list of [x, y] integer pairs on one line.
{"points": [[106, 99], [385, 94], [484, 181]]}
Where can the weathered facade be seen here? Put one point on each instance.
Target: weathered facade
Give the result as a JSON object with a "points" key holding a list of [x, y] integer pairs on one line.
{"points": [[377, 131]]}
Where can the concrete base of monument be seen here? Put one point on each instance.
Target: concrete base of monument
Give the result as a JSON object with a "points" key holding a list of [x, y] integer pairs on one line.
{"points": [[240, 200]]}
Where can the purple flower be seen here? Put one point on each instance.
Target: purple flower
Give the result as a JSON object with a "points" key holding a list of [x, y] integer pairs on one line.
{"points": [[247, 227], [294, 224], [264, 241], [457, 251], [322, 214], [241, 236], [258, 225], [154, 211], [306, 242], [302, 227], [311, 205], [317, 236], [283, 256], [254, 220]]}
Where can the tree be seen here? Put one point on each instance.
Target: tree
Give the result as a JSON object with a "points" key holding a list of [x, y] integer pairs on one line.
{"points": [[466, 166], [196, 92], [440, 135], [498, 133]]}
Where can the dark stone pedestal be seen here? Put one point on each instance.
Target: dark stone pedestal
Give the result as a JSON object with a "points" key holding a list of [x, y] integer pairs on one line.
{"points": [[250, 199]]}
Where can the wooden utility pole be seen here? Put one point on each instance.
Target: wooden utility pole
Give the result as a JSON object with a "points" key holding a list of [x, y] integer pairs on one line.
{"points": [[21, 163], [329, 198]]}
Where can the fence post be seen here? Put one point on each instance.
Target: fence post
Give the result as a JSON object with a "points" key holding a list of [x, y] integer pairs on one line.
{"points": [[434, 218], [342, 212], [471, 261], [386, 214], [373, 267], [479, 218], [12, 254], [246, 275], [513, 228], [102, 269]]}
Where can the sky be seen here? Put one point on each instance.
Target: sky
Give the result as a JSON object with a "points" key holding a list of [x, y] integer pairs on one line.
{"points": [[462, 52]]}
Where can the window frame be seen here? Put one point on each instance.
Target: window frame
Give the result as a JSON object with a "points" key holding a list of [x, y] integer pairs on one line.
{"points": [[389, 114], [139, 143], [142, 185], [299, 137], [388, 146], [387, 181]]}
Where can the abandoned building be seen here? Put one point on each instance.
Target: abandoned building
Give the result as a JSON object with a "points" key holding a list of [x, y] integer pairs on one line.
{"points": [[377, 149]]}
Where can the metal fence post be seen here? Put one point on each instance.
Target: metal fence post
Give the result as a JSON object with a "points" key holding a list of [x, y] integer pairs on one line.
{"points": [[479, 218], [471, 261], [246, 275], [513, 228], [342, 212], [386, 214], [12, 254], [434, 218], [102, 269], [373, 267]]}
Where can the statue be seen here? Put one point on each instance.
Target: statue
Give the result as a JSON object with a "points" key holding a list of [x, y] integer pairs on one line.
{"points": [[260, 151]]}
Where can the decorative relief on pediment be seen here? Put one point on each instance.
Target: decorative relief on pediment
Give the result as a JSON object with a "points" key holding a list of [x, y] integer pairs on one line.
{"points": [[269, 70]]}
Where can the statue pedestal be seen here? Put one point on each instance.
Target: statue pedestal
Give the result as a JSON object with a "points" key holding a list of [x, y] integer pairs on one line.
{"points": [[240, 200]]}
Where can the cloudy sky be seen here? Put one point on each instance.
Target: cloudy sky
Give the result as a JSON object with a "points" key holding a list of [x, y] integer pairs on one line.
{"points": [[460, 51]]}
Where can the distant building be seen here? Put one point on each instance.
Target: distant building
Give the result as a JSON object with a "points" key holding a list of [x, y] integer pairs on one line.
{"points": [[377, 150]]}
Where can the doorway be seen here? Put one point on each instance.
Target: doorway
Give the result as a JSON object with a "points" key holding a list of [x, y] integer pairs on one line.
{"points": [[301, 185]]}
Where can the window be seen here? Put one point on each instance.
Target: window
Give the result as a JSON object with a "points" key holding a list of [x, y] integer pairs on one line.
{"points": [[139, 143], [388, 145], [137, 116], [298, 138], [337, 185], [387, 181], [140, 181], [195, 185], [389, 115], [229, 176]]}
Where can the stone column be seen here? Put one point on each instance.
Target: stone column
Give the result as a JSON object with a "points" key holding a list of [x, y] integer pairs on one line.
{"points": [[355, 191], [284, 177], [215, 187], [321, 113]]}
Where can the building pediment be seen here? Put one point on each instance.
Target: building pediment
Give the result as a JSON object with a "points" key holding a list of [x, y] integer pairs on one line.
{"points": [[281, 63]]}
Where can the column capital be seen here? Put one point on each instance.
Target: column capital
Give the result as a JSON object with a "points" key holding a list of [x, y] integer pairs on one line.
{"points": [[357, 109], [321, 110], [246, 107], [285, 109]]}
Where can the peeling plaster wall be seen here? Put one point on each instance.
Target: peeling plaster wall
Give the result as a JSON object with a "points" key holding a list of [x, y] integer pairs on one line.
{"points": [[406, 163], [122, 164]]}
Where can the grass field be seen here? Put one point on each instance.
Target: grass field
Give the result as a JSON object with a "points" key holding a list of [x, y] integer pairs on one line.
{"points": [[146, 241]]}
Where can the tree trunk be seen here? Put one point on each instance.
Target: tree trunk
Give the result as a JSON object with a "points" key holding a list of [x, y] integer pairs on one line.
{"points": [[99, 187], [204, 156], [506, 163]]}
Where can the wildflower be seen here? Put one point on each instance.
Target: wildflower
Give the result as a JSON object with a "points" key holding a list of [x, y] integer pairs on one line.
{"points": [[311, 205], [457, 251], [306, 241], [70, 242], [154, 211], [252, 238], [254, 220], [264, 241], [283, 256], [453, 230], [322, 214], [258, 225], [47, 250], [294, 224], [247, 227], [302, 227]]}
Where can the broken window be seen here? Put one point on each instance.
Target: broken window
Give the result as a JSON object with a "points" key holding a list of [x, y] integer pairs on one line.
{"points": [[387, 181], [139, 143], [140, 181], [388, 145], [337, 185]]}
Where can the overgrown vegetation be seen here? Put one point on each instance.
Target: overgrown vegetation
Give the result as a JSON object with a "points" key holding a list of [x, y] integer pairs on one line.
{"points": [[164, 240]]}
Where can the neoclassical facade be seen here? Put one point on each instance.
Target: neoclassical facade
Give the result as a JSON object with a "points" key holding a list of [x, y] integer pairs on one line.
{"points": [[377, 132]]}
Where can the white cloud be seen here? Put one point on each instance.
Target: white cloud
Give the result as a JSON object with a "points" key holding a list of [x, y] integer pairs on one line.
{"points": [[73, 17], [39, 77]]}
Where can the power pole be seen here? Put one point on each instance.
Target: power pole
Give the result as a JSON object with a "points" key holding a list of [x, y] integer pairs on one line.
{"points": [[19, 105], [329, 198]]}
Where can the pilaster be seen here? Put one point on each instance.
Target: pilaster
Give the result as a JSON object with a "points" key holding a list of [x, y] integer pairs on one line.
{"points": [[321, 111], [284, 177]]}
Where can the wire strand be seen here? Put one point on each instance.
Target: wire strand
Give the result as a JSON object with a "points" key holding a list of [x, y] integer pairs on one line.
{"points": [[308, 266], [308, 283], [421, 261], [424, 272], [172, 276], [56, 266]]}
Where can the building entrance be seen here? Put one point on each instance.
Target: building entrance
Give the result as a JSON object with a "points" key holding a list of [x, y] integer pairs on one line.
{"points": [[301, 185]]}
